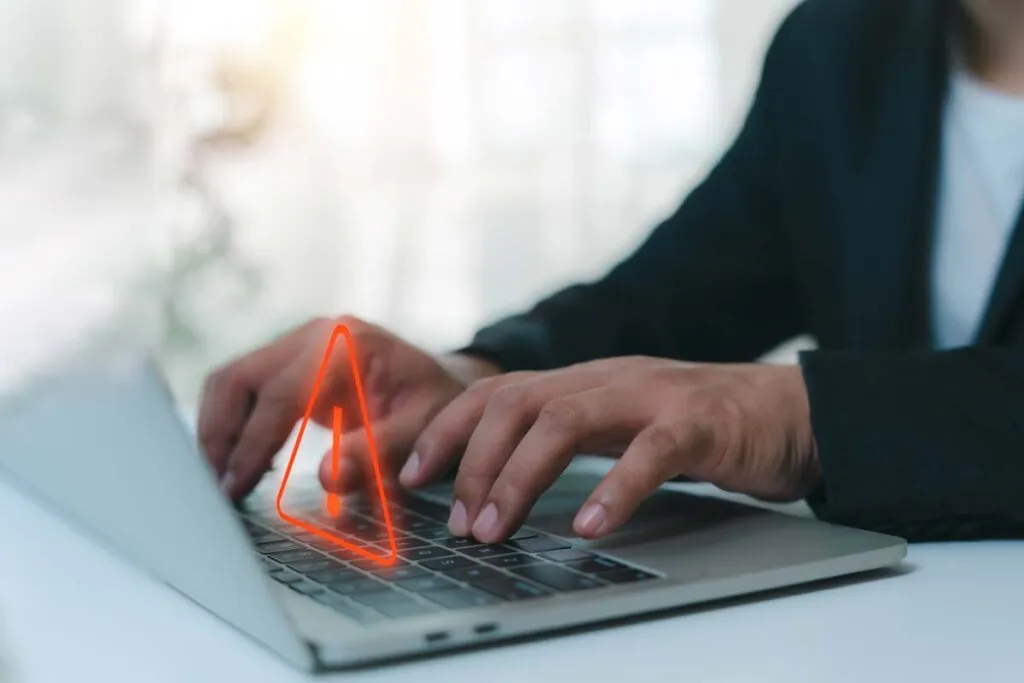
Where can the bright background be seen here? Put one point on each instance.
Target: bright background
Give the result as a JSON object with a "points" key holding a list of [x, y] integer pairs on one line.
{"points": [[209, 173]]}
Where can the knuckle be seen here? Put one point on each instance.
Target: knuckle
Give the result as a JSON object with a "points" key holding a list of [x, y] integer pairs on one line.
{"points": [[561, 416], [480, 391], [715, 433], [509, 398], [663, 441], [277, 398]]}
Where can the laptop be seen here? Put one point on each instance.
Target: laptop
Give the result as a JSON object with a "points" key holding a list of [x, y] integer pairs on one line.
{"points": [[103, 445]]}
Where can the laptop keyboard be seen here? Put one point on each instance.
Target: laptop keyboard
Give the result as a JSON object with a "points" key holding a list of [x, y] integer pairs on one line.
{"points": [[435, 571]]}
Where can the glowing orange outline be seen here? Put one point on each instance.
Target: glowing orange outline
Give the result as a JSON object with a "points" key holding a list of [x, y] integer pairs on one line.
{"points": [[333, 500], [386, 560]]}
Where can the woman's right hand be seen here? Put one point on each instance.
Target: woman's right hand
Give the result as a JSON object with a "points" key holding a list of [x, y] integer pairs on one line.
{"points": [[250, 406]]}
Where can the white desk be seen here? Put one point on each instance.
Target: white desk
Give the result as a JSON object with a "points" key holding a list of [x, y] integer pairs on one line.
{"points": [[70, 611]]}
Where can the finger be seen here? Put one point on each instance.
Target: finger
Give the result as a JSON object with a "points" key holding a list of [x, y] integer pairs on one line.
{"points": [[658, 453], [278, 408], [447, 434], [588, 420], [510, 413], [229, 394], [349, 478], [225, 406], [393, 440]]}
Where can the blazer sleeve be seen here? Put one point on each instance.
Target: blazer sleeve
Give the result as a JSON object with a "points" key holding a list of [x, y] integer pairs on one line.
{"points": [[928, 446], [712, 283]]}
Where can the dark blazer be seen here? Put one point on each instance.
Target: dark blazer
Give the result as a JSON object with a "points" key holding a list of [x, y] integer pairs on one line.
{"points": [[819, 221]]}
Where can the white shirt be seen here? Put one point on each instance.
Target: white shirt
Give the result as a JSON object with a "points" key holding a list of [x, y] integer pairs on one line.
{"points": [[980, 198]]}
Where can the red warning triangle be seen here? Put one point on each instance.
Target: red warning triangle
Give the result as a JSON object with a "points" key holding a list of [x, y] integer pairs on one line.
{"points": [[333, 502]]}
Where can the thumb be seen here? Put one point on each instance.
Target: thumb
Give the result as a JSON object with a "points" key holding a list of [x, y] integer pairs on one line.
{"points": [[353, 468]]}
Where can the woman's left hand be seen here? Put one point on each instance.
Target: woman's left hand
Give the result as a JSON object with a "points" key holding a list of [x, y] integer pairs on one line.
{"points": [[745, 428]]}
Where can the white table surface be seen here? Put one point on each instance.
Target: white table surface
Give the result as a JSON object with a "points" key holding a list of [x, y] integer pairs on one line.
{"points": [[71, 611]]}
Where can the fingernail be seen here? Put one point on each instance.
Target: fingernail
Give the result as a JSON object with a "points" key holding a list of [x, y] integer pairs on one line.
{"points": [[590, 520], [487, 523], [411, 472], [458, 522], [227, 484]]}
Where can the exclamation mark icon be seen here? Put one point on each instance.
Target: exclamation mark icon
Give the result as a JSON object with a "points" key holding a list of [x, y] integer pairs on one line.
{"points": [[333, 501]]}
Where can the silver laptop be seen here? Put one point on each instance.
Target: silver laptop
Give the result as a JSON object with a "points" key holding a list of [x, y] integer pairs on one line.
{"points": [[103, 446]]}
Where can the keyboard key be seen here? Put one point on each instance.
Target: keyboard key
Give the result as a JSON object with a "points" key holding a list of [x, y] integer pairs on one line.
{"points": [[292, 556], [360, 506], [430, 552], [487, 551], [359, 587], [596, 565], [460, 598], [364, 530], [265, 538], [361, 525], [324, 545], [368, 565], [507, 588], [568, 555], [347, 555], [399, 573], [556, 577], [307, 588], [312, 565], [260, 535], [540, 544], [377, 536], [285, 576], [278, 547], [420, 506], [410, 542], [434, 534], [417, 525], [627, 575], [457, 543], [514, 560], [425, 583], [473, 574], [336, 575], [521, 534], [447, 563]]}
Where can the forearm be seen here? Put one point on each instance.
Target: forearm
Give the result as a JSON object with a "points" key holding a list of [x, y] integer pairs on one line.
{"points": [[925, 445]]}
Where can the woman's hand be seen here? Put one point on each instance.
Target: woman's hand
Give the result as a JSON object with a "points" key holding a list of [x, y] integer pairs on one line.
{"points": [[251, 405], [745, 428]]}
